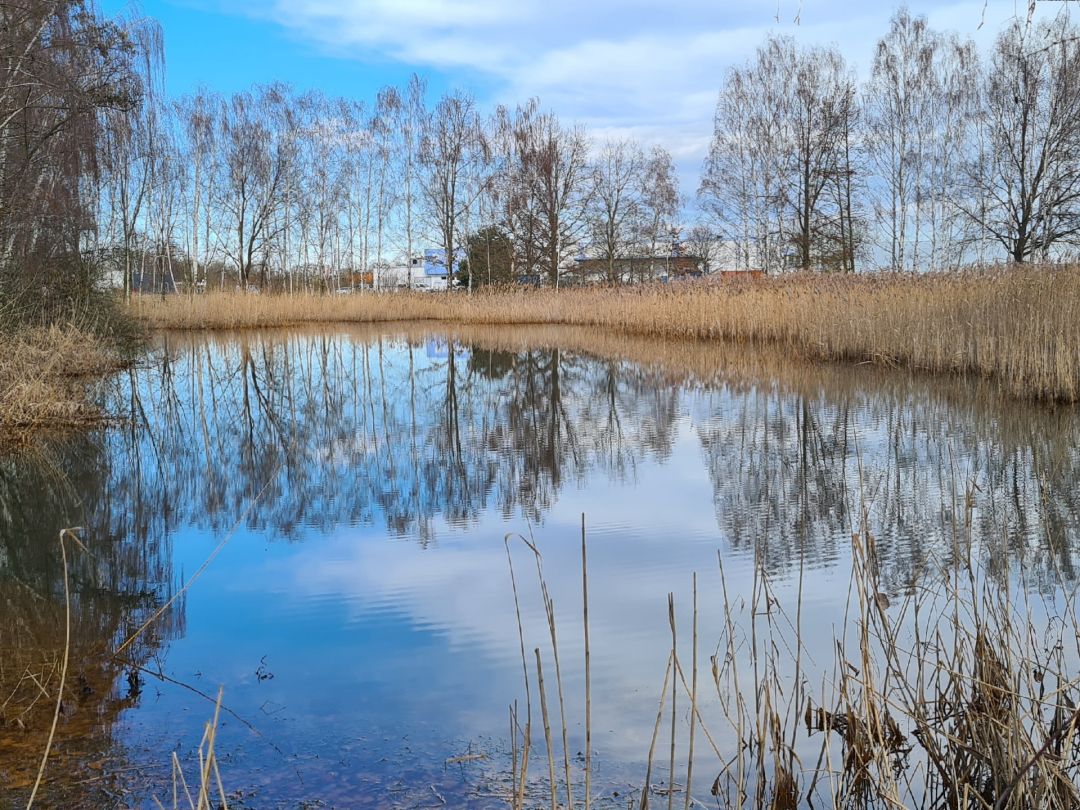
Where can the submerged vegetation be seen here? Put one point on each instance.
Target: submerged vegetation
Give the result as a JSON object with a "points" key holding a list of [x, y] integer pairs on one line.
{"points": [[1017, 326]]}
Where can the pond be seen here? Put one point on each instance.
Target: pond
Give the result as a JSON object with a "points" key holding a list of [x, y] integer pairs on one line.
{"points": [[346, 502]]}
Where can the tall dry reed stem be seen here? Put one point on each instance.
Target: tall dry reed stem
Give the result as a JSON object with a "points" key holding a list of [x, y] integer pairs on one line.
{"points": [[73, 536], [674, 690], [552, 784], [693, 701], [647, 787], [588, 671], [210, 789], [956, 695]]}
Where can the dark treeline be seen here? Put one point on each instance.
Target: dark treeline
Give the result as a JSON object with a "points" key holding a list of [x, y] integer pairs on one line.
{"points": [[67, 78], [941, 157]]}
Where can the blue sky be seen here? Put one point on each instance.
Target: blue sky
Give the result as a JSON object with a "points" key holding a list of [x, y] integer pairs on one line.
{"points": [[618, 67], [213, 44]]}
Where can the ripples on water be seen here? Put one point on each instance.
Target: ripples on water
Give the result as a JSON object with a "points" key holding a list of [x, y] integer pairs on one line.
{"points": [[361, 615]]}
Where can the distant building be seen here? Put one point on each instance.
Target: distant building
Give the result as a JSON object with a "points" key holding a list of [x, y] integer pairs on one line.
{"points": [[436, 270], [150, 282], [397, 275], [424, 272]]}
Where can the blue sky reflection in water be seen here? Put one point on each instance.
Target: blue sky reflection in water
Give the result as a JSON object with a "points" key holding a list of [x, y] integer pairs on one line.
{"points": [[361, 617]]}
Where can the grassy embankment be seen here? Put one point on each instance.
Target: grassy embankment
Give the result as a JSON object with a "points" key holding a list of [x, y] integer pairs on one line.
{"points": [[45, 375], [1019, 327]]}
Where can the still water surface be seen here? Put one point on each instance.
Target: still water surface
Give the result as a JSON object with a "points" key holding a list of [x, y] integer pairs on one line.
{"points": [[358, 487]]}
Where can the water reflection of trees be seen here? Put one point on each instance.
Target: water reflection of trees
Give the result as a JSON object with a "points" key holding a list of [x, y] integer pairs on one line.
{"points": [[937, 472], [290, 433], [328, 431], [409, 431], [121, 578]]}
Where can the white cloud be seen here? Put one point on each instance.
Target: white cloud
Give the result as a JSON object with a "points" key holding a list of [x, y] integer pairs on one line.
{"points": [[619, 67]]}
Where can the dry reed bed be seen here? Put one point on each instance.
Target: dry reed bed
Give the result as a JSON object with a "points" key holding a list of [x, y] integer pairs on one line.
{"points": [[1018, 326], [962, 694], [43, 379]]}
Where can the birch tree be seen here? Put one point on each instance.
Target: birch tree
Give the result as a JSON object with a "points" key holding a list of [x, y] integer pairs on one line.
{"points": [[450, 154], [917, 93], [780, 150], [617, 210], [197, 118], [1030, 177], [659, 200], [736, 189], [409, 121]]}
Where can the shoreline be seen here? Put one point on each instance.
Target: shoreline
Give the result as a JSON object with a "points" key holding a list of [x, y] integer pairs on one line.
{"points": [[1017, 326]]}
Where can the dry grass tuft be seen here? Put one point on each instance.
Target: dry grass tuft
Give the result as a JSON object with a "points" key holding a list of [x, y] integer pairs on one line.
{"points": [[44, 375], [1017, 326], [960, 696]]}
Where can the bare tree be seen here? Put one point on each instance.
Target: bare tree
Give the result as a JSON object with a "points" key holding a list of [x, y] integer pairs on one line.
{"points": [[817, 119], [703, 243], [1029, 177], [168, 179], [255, 161], [781, 148], [63, 69], [514, 189], [451, 153], [325, 132], [197, 117], [847, 234], [126, 154], [409, 123], [388, 106], [617, 207], [556, 164], [736, 185], [956, 81], [660, 199], [920, 84]]}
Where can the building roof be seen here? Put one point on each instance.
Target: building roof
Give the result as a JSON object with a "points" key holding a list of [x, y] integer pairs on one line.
{"points": [[435, 261]]}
